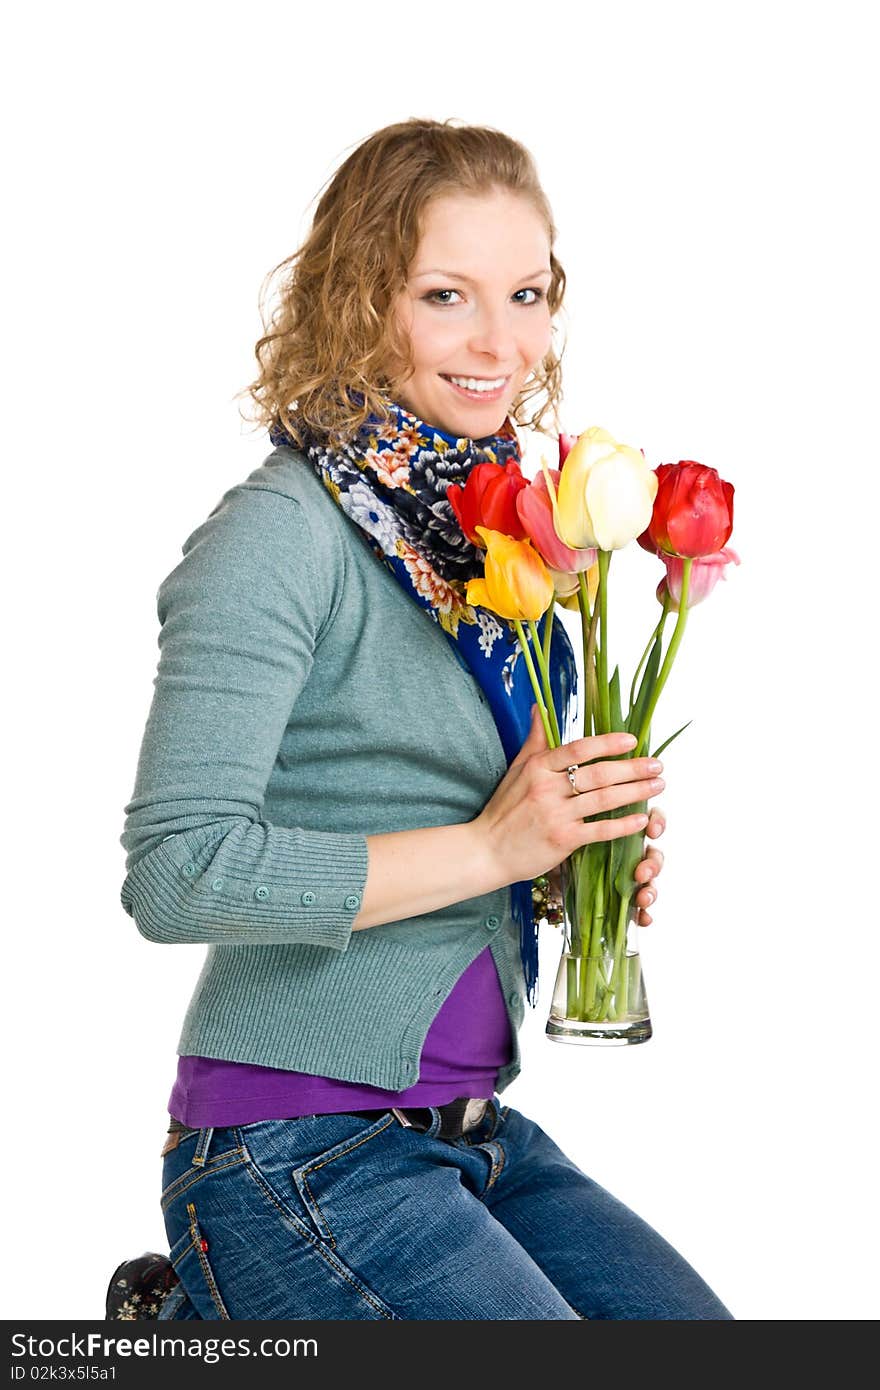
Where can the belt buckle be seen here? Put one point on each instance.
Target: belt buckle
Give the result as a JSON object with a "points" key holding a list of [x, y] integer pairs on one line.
{"points": [[462, 1121], [474, 1112]]}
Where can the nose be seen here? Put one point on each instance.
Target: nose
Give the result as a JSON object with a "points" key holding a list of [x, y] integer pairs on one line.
{"points": [[493, 333]]}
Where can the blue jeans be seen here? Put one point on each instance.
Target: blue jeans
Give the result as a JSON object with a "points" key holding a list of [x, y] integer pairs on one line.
{"points": [[340, 1216]]}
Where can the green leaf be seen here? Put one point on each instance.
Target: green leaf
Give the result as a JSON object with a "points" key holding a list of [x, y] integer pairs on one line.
{"points": [[617, 724], [579, 910], [616, 846], [646, 689], [584, 882], [669, 740], [632, 851]]}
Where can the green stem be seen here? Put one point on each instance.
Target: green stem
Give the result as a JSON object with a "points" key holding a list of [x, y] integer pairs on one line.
{"points": [[587, 635], [548, 629], [604, 698], [545, 678], [623, 986], [605, 1004], [571, 904], [593, 940], [617, 989], [592, 643], [533, 676], [670, 657], [590, 646], [658, 632]]}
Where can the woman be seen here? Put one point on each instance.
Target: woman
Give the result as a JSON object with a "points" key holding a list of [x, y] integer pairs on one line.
{"points": [[348, 816]]}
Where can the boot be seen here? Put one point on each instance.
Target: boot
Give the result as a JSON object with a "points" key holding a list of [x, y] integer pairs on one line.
{"points": [[139, 1288]]}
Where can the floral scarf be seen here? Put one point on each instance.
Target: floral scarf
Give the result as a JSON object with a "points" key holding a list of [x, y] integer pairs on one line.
{"points": [[391, 481]]}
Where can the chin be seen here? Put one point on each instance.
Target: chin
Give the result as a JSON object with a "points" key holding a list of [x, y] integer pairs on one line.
{"points": [[474, 424], [472, 429]]}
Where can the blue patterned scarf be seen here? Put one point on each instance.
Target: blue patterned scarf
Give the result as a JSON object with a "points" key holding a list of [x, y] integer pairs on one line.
{"points": [[391, 481]]}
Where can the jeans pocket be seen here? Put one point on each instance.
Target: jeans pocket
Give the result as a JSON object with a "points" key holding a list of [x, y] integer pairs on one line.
{"points": [[288, 1158], [353, 1163], [190, 1256], [180, 1175]]}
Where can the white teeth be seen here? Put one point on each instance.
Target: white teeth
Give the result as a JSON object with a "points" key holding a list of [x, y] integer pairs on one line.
{"points": [[470, 383]]}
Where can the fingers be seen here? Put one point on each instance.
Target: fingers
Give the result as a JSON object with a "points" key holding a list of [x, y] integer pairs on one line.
{"points": [[643, 900], [597, 775], [613, 795], [582, 750], [611, 829], [645, 896], [535, 740], [608, 785], [649, 867]]}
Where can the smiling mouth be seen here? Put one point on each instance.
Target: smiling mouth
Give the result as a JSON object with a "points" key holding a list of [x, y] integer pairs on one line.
{"points": [[476, 388]]}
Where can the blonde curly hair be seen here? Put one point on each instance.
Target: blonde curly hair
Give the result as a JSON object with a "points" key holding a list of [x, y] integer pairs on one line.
{"points": [[332, 328]]}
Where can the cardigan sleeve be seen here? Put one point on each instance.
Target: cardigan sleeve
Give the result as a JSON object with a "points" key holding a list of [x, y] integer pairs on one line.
{"points": [[240, 617]]}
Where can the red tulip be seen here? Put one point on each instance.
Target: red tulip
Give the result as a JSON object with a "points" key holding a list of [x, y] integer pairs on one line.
{"points": [[488, 499], [693, 511], [566, 443], [706, 570], [536, 515]]}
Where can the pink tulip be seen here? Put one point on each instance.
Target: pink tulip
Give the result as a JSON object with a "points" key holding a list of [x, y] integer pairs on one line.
{"points": [[535, 512], [706, 570]]}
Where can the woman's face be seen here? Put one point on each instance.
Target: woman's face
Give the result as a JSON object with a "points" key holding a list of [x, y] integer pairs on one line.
{"points": [[475, 308]]}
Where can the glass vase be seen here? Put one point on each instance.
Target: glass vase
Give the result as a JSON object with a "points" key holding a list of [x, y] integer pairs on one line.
{"points": [[599, 995]]}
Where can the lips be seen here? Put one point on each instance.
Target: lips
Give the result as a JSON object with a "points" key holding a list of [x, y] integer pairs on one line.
{"points": [[478, 395], [471, 376]]}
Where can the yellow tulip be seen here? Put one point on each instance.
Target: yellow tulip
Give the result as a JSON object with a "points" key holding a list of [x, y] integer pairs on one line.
{"points": [[567, 587], [569, 601], [565, 583], [605, 495], [516, 581]]}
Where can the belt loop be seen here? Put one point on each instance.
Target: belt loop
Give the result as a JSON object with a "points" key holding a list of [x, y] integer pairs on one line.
{"points": [[495, 1112], [436, 1121], [201, 1152]]}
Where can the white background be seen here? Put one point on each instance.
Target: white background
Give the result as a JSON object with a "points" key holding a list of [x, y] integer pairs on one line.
{"points": [[711, 170]]}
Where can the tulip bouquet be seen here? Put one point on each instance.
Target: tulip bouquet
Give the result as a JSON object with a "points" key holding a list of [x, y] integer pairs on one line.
{"points": [[551, 540]]}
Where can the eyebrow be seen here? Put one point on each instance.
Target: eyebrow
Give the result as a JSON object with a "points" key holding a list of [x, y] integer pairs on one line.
{"points": [[454, 275]]}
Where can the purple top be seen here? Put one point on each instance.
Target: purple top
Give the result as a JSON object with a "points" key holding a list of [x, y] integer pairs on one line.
{"points": [[467, 1042]]}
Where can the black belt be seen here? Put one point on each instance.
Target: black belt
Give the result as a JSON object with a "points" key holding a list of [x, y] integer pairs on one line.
{"points": [[457, 1117]]}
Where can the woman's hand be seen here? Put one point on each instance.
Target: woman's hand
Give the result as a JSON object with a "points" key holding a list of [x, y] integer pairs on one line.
{"points": [[539, 815], [647, 869]]}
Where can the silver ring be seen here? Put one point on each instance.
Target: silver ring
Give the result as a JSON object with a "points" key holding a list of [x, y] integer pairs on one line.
{"points": [[569, 772]]}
